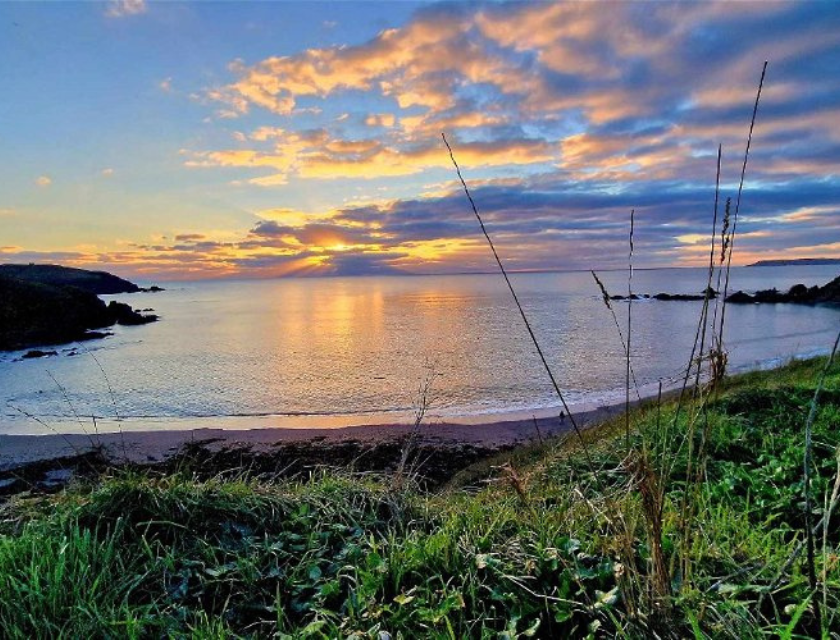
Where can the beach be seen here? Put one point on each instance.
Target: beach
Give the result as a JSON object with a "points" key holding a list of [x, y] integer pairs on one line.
{"points": [[153, 447]]}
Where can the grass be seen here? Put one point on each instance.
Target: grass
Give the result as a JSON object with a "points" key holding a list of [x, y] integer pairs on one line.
{"points": [[542, 549]]}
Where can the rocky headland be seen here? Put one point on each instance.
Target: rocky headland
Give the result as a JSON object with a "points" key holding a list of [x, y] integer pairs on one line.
{"points": [[798, 293], [49, 305], [797, 262], [96, 282]]}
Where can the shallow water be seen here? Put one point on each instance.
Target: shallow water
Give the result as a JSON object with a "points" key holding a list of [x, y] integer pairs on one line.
{"points": [[324, 352]]}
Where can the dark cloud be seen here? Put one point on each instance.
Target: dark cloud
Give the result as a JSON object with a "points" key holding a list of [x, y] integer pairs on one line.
{"points": [[368, 264], [270, 228]]}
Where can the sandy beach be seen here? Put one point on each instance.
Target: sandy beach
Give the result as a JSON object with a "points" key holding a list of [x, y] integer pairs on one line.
{"points": [[157, 446]]}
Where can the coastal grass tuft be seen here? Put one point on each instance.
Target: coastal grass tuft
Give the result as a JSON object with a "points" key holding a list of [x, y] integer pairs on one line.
{"points": [[537, 548]]}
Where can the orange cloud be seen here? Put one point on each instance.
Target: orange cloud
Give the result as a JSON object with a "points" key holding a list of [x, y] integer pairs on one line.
{"points": [[315, 155], [380, 120]]}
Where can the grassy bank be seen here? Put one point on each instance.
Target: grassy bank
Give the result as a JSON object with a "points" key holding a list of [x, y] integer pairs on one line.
{"points": [[689, 530]]}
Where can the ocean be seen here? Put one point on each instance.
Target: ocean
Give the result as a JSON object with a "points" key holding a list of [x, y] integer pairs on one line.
{"points": [[321, 352]]}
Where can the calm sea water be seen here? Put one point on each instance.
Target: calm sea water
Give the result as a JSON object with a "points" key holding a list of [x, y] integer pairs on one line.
{"points": [[324, 352]]}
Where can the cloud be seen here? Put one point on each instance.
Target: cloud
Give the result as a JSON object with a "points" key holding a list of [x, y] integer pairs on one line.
{"points": [[551, 70], [43, 181], [380, 120], [165, 85], [359, 264], [541, 222], [315, 154], [563, 117], [108, 172], [124, 8]]}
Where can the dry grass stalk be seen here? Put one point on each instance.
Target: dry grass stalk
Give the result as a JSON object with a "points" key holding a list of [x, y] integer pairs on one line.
{"points": [[629, 332], [702, 326], [517, 482], [567, 411], [717, 355], [405, 471], [740, 191], [647, 483], [608, 303]]}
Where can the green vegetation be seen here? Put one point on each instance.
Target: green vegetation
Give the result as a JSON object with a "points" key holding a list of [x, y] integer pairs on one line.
{"points": [[549, 548]]}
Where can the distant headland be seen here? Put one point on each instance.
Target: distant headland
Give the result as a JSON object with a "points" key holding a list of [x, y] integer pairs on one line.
{"points": [[798, 262], [50, 304], [96, 282]]}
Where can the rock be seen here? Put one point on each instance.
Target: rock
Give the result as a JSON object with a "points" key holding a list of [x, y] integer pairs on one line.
{"points": [[830, 292], [34, 314], [769, 295], [678, 296], [712, 294], [37, 353], [798, 293], [94, 335], [125, 315], [739, 297]]}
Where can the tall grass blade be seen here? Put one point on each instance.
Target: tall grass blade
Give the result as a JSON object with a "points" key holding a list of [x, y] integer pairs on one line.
{"points": [[806, 467], [740, 191], [629, 332], [608, 303], [524, 317]]}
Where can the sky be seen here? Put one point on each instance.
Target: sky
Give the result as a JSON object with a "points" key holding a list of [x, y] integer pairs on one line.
{"points": [[189, 140]]}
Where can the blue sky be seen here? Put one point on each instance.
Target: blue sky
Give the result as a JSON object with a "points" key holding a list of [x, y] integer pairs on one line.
{"points": [[189, 140]]}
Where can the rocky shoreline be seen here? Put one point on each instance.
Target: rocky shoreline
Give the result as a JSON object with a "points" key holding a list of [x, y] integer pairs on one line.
{"points": [[797, 294], [45, 305]]}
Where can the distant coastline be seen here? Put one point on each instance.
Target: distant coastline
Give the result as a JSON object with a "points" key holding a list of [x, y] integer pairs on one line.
{"points": [[799, 262]]}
